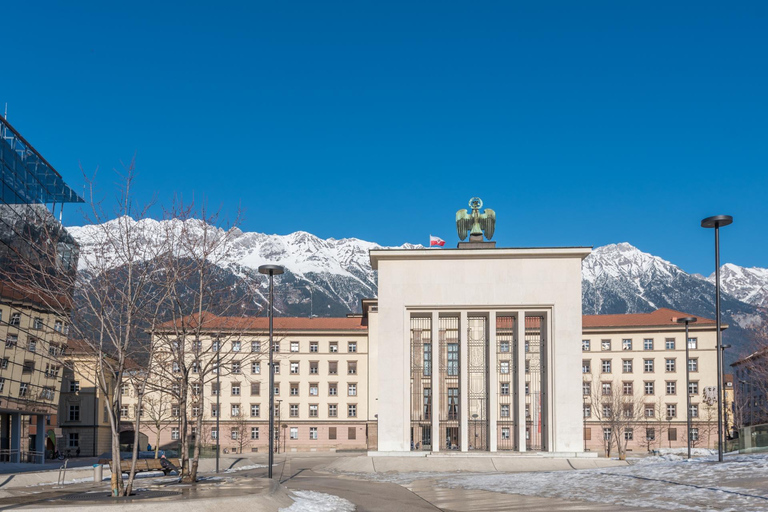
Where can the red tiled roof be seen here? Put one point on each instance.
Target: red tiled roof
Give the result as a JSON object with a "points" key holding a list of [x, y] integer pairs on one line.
{"points": [[213, 322], [660, 317]]}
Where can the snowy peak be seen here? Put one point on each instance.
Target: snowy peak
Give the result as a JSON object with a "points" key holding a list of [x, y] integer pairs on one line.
{"points": [[624, 261], [749, 285]]}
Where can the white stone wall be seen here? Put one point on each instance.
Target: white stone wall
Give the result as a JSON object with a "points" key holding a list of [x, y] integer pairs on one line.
{"points": [[484, 281]]}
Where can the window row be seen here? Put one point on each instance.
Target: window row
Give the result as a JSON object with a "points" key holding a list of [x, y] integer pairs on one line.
{"points": [[255, 346], [649, 388], [255, 433], [294, 367], [648, 411], [628, 344], [649, 365]]}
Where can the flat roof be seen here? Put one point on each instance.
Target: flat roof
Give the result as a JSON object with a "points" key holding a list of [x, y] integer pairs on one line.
{"points": [[491, 253]]}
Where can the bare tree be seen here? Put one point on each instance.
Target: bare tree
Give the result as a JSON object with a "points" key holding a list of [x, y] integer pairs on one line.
{"points": [[617, 408], [116, 298], [195, 345], [158, 413]]}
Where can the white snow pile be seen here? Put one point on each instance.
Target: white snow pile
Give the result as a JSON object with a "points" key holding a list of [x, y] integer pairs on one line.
{"points": [[703, 484], [243, 468], [311, 501]]}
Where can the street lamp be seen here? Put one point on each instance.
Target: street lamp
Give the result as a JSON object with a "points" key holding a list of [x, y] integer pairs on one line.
{"points": [[271, 271], [687, 320], [715, 222]]}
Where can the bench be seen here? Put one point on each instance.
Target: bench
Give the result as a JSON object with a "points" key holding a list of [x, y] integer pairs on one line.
{"points": [[143, 465]]}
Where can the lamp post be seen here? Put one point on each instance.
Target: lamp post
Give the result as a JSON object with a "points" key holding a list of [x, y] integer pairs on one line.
{"points": [[725, 402], [271, 271], [218, 403], [474, 420], [716, 222], [687, 320]]}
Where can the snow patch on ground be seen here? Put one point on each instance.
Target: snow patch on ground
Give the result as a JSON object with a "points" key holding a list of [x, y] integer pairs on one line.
{"points": [[665, 482], [311, 501], [243, 468]]}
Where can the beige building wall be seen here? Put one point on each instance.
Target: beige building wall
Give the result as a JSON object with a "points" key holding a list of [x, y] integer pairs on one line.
{"points": [[82, 406], [545, 282], [619, 355], [321, 384]]}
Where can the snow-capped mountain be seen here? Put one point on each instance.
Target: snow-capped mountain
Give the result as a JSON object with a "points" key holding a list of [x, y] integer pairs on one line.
{"points": [[329, 277], [323, 277], [749, 285]]}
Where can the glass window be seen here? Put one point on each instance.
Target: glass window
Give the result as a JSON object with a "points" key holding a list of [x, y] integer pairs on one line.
{"points": [[294, 346], [235, 389], [352, 346], [693, 388], [671, 410], [504, 368], [606, 388], [587, 411], [294, 367], [256, 367], [235, 410], [505, 388], [255, 346], [312, 432], [333, 410], [649, 387], [255, 433], [313, 410], [294, 411], [585, 345], [669, 364], [175, 433], [352, 389], [648, 365], [313, 389], [671, 387], [453, 359], [650, 411], [352, 367], [648, 344], [627, 388], [693, 343], [669, 344], [352, 410], [585, 366], [294, 433], [255, 410], [605, 345], [505, 411], [626, 344], [427, 359], [606, 366], [236, 346], [626, 365], [586, 388], [255, 388], [693, 365], [313, 346], [74, 413], [333, 346]]}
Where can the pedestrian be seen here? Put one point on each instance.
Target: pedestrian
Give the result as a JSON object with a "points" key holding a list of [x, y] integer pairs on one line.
{"points": [[149, 447], [167, 465], [77, 453]]}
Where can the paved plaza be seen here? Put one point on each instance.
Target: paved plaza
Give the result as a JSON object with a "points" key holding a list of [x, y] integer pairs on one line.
{"points": [[317, 482]]}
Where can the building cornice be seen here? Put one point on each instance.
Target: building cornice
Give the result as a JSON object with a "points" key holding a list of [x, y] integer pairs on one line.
{"points": [[377, 255]]}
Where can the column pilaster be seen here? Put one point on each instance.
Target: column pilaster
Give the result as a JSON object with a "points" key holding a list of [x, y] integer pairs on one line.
{"points": [[493, 384], [463, 382], [436, 381], [520, 381]]}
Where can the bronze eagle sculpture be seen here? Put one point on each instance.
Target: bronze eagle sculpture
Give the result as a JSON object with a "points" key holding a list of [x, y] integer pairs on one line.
{"points": [[475, 223]]}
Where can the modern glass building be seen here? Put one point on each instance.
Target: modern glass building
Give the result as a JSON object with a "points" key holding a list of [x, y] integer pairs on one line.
{"points": [[38, 260]]}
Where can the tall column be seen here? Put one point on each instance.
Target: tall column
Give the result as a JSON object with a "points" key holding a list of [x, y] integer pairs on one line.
{"points": [[15, 437], [40, 438], [493, 384], [436, 381], [519, 377], [463, 382]]}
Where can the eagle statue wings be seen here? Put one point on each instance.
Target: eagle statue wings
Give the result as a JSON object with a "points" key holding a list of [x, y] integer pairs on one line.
{"points": [[475, 223]]}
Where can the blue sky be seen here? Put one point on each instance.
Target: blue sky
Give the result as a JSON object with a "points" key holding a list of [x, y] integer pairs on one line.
{"points": [[580, 123]]}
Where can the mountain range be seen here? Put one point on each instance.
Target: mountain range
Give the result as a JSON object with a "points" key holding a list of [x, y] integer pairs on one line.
{"points": [[329, 277]]}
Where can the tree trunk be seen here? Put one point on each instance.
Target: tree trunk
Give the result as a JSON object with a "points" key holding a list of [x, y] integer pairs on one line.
{"points": [[198, 442]]}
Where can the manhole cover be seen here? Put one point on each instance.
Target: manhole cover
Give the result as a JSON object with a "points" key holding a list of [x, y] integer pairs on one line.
{"points": [[92, 496]]}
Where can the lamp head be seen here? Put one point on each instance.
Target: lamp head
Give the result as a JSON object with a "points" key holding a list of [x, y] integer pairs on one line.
{"points": [[716, 221], [687, 320], [271, 270]]}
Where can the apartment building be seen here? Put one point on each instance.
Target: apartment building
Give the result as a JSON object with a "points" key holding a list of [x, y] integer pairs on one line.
{"points": [[321, 385], [637, 362], [83, 416], [34, 250]]}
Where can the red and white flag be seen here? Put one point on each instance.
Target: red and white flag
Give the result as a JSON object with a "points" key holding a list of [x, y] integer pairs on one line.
{"points": [[434, 240]]}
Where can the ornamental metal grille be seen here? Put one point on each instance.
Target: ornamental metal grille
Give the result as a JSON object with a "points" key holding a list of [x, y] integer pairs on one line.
{"points": [[449, 382], [477, 377], [535, 376], [506, 367], [421, 383]]}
